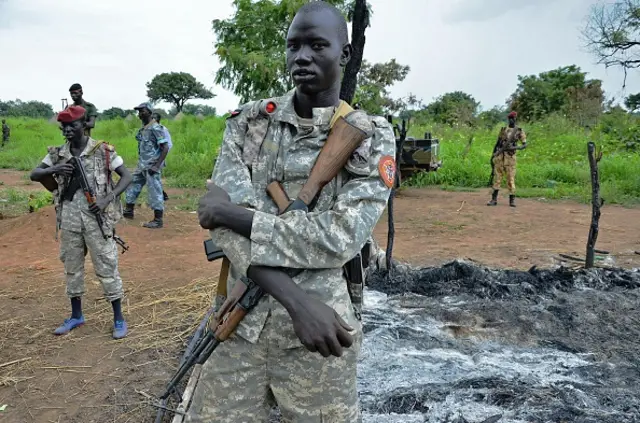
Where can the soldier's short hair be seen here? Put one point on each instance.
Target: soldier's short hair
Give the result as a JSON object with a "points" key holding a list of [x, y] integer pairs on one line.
{"points": [[316, 6], [75, 87]]}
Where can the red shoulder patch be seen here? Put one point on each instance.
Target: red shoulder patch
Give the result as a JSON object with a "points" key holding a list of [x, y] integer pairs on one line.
{"points": [[387, 170], [235, 113]]}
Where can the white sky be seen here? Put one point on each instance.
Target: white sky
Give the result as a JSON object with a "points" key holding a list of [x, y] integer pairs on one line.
{"points": [[114, 47]]}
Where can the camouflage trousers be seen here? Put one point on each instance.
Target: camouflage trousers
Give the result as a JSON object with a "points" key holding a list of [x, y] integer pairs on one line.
{"points": [[5, 140], [505, 164], [104, 255], [154, 186], [242, 381]]}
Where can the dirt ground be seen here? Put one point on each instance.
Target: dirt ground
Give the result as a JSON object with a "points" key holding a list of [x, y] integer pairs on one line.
{"points": [[88, 377]]}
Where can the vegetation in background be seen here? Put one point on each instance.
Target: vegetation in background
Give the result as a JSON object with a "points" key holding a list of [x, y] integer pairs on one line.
{"points": [[14, 202], [176, 88]]}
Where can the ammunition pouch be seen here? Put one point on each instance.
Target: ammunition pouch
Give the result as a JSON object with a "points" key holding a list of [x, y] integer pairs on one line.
{"points": [[212, 251]]}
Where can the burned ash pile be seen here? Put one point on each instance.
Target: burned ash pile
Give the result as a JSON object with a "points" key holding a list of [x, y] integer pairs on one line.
{"points": [[464, 343]]}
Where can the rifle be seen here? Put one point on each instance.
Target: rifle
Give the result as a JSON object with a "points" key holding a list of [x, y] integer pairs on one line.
{"points": [[497, 151], [91, 199], [343, 139]]}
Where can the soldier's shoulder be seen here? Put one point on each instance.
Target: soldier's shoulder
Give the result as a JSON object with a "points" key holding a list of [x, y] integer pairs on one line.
{"points": [[379, 121], [254, 108]]}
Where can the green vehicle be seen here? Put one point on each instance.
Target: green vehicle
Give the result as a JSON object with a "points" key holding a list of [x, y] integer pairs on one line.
{"points": [[415, 155]]}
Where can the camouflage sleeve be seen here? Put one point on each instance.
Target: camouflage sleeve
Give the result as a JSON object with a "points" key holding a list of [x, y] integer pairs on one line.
{"points": [[231, 174], [523, 136], [115, 160], [331, 238]]}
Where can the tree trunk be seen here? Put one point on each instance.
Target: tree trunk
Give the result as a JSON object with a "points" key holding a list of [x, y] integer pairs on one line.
{"points": [[358, 26], [596, 203]]}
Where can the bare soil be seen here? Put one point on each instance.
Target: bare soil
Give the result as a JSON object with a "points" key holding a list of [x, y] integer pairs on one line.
{"points": [[86, 376]]}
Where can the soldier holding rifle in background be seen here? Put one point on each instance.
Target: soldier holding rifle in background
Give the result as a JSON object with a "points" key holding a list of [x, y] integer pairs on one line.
{"points": [[504, 159]]}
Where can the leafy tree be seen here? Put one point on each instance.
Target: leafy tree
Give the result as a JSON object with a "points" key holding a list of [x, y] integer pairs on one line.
{"points": [[454, 108], [113, 113], [194, 109], [612, 33], [632, 102], [176, 88], [490, 118], [372, 92], [19, 108], [555, 91], [251, 48]]}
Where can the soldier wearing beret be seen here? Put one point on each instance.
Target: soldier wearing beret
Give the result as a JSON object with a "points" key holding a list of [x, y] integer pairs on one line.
{"points": [[504, 158], [6, 132], [299, 347], [91, 111], [77, 219]]}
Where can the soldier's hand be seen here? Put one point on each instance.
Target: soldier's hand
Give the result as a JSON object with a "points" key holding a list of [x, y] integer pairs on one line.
{"points": [[100, 205], [208, 206], [320, 328], [65, 169]]}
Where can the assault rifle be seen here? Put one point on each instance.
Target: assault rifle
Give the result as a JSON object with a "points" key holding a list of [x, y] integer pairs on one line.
{"points": [[91, 199], [497, 151]]}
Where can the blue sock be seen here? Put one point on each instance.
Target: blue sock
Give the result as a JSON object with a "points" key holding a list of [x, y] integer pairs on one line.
{"points": [[117, 310]]}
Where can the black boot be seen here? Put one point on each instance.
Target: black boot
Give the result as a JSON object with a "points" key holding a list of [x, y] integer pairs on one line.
{"points": [[156, 223], [512, 200], [128, 211], [165, 196], [494, 198]]}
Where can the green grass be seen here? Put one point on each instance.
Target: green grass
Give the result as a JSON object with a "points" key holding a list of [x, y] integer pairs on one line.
{"points": [[14, 202], [554, 166], [189, 164]]}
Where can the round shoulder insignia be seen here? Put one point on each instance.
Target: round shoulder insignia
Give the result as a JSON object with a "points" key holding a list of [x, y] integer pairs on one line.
{"points": [[387, 170], [235, 113], [268, 107]]}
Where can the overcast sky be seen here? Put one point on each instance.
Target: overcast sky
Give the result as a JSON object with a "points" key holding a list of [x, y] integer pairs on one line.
{"points": [[114, 47]]}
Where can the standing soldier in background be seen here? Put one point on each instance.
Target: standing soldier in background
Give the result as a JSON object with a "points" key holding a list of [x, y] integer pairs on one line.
{"points": [[6, 132], [92, 113], [78, 219], [504, 159], [152, 150], [156, 116]]}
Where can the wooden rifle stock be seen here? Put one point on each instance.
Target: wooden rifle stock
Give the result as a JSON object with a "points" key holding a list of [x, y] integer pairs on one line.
{"points": [[342, 141]]}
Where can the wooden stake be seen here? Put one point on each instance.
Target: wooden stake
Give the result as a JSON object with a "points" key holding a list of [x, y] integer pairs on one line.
{"points": [[596, 203]]}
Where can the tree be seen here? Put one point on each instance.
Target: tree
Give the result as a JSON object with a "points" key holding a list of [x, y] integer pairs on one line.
{"points": [[176, 88], [490, 118], [32, 109], [194, 109], [454, 108], [612, 33], [250, 46], [113, 113], [554, 91], [632, 102], [372, 92]]}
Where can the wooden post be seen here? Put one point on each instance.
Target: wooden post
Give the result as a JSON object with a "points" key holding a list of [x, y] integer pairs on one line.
{"points": [[596, 203], [391, 227]]}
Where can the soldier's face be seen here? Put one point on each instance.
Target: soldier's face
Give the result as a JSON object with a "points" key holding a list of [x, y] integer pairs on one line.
{"points": [[512, 122], [73, 130], [144, 114], [76, 95], [315, 54]]}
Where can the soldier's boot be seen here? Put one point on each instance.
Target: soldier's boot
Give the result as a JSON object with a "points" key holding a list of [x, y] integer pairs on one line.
{"points": [[156, 223], [512, 200], [165, 196], [494, 198], [128, 211]]}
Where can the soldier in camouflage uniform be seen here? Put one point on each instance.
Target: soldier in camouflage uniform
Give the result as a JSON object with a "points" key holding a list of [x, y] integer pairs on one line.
{"points": [[92, 112], [152, 150], [504, 159], [6, 132], [299, 347], [77, 219]]}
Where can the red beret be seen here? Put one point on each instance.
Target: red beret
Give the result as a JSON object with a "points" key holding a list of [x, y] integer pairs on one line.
{"points": [[71, 114], [513, 114]]}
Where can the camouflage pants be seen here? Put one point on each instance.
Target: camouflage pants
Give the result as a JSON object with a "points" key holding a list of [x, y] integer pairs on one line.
{"points": [[104, 255], [154, 185], [241, 382], [5, 139], [505, 164]]}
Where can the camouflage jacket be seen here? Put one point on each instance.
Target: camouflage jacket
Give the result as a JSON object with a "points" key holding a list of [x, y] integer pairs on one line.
{"points": [[259, 148], [509, 137], [99, 160]]}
